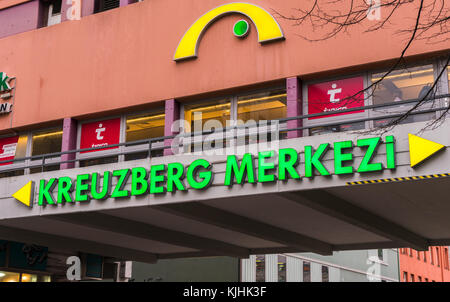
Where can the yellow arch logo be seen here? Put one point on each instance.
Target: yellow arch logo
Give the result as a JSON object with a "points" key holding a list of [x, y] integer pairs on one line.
{"points": [[266, 25]]}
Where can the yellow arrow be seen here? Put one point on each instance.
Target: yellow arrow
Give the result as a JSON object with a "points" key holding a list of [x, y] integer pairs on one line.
{"points": [[25, 194], [420, 149]]}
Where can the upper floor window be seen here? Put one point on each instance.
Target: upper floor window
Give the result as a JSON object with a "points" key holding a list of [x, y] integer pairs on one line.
{"points": [[104, 5], [144, 127], [260, 268], [46, 142], [401, 85], [281, 268], [325, 274], [53, 11]]}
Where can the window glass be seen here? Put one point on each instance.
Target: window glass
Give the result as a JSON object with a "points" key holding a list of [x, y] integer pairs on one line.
{"points": [[206, 117], [56, 7], [46, 142], [28, 278], [262, 108], [438, 260], [400, 85], [266, 106], [281, 268], [260, 268], [338, 128], [380, 254], [325, 274], [448, 77], [143, 127], [306, 272], [10, 148], [199, 114], [9, 277]]}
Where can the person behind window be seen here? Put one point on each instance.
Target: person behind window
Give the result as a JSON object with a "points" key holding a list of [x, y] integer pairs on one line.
{"points": [[397, 94]]}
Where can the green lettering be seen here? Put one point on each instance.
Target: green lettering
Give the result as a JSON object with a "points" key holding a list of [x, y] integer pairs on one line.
{"points": [[233, 170], [156, 179], [81, 187], [390, 152], [175, 175], [263, 166], [139, 183], [205, 176], [372, 144], [314, 160], [45, 190], [95, 186], [122, 176], [287, 163], [340, 157], [64, 189]]}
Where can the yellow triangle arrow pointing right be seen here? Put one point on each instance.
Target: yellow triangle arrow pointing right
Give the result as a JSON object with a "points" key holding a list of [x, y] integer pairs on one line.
{"points": [[25, 194], [420, 149]]}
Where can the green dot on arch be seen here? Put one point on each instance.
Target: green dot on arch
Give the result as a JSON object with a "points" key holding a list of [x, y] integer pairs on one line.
{"points": [[241, 28]]}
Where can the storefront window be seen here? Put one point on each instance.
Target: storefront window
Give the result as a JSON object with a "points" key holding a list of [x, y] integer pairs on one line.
{"points": [[400, 85], [265, 106], [22, 277], [325, 274], [205, 117], [9, 277], [260, 268], [143, 127], [306, 272], [281, 268], [46, 142]]}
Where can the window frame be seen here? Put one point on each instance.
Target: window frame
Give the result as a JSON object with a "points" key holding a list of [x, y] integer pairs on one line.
{"points": [[233, 99], [100, 154], [435, 65], [341, 118], [48, 160], [142, 147]]}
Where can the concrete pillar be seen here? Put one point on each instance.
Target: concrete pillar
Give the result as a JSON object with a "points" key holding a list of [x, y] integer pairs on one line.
{"points": [[294, 105], [172, 110], [69, 142]]}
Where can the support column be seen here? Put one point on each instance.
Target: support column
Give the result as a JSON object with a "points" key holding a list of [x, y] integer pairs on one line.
{"points": [[294, 105], [69, 142], [172, 114], [87, 7]]}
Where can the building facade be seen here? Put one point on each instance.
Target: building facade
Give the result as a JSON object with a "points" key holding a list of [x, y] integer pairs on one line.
{"points": [[424, 266], [94, 93]]}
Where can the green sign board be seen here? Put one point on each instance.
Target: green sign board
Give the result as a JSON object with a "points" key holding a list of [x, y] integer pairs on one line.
{"points": [[160, 179]]}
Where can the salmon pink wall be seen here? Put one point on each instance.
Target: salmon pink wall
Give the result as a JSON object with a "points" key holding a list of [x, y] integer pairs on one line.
{"points": [[123, 58]]}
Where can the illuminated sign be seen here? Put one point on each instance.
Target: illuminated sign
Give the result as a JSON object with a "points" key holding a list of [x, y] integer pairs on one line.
{"points": [[271, 166], [335, 96], [266, 25], [162, 178], [100, 134]]}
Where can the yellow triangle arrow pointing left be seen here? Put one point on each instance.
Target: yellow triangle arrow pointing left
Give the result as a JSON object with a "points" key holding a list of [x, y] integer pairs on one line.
{"points": [[420, 149], [26, 194]]}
